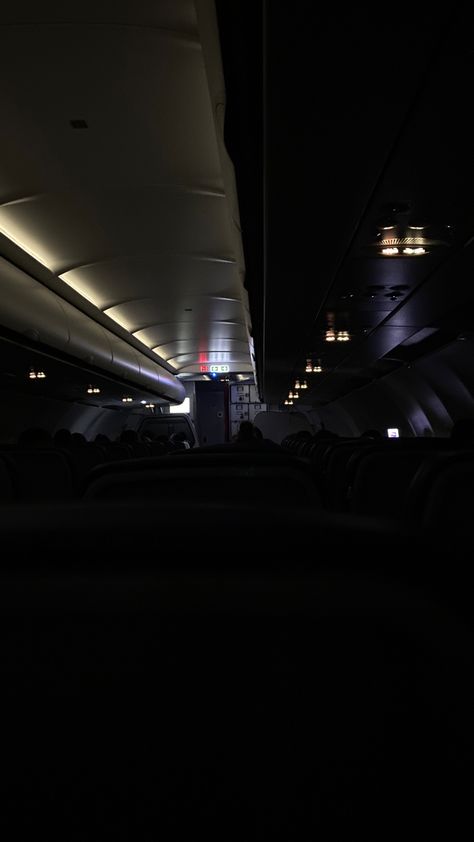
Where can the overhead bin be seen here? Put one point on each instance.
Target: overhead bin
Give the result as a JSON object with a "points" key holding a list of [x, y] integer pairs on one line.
{"points": [[32, 310]]}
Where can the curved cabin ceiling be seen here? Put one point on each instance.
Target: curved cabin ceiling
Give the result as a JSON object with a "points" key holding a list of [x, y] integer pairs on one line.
{"points": [[114, 175], [366, 186]]}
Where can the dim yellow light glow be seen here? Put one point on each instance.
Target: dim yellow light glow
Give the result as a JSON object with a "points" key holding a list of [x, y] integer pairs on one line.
{"points": [[79, 289], [21, 241]]}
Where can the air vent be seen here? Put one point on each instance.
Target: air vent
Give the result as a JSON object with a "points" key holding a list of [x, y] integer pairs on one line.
{"points": [[78, 124]]}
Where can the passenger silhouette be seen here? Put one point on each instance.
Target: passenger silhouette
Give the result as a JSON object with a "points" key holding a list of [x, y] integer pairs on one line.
{"points": [[179, 441], [63, 438], [325, 435], [246, 432], [371, 434], [251, 438]]}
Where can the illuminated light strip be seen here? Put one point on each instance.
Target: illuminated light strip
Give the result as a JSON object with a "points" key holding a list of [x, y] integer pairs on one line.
{"points": [[24, 248], [80, 291], [168, 362], [117, 321]]}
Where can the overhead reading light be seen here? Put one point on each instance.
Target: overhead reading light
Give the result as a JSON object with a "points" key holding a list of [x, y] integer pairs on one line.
{"points": [[413, 246], [297, 384], [343, 336], [288, 403], [93, 390], [36, 375], [330, 335], [127, 399], [149, 406], [290, 395], [318, 367], [309, 366], [412, 242], [304, 385], [403, 231]]}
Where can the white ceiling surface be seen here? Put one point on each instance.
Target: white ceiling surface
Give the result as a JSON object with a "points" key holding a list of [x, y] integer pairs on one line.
{"points": [[136, 212]]}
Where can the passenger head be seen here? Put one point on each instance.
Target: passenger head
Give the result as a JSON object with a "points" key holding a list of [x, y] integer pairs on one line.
{"points": [[325, 435], [101, 438], [179, 441], [462, 432], [62, 438], [78, 440], [245, 431], [371, 434]]}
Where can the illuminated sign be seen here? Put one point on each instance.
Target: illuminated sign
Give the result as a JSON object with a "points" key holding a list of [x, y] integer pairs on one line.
{"points": [[393, 432], [215, 369]]}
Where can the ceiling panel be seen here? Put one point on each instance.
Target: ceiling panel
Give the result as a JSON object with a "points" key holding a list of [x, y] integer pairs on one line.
{"points": [[234, 359], [68, 231], [351, 157], [200, 346], [167, 274], [201, 312], [166, 332], [113, 172], [141, 90]]}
